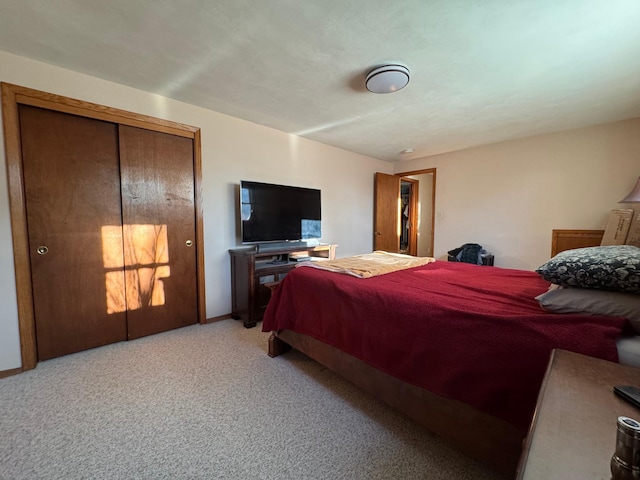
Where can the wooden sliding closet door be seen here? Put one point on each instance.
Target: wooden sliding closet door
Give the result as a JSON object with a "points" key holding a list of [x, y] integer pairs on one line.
{"points": [[158, 216], [72, 196]]}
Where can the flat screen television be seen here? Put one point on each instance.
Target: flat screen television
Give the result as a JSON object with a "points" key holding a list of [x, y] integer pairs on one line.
{"points": [[278, 213]]}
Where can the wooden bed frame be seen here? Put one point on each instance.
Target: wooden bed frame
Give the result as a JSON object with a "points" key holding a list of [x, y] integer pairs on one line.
{"points": [[484, 437], [488, 439]]}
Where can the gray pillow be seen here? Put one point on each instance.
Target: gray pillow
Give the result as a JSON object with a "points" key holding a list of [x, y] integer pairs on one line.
{"points": [[593, 302], [614, 268]]}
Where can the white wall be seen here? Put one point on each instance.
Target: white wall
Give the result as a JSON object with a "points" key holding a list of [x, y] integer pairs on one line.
{"points": [[510, 195], [232, 149]]}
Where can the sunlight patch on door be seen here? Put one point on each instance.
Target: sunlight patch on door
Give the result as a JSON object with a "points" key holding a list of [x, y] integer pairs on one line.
{"points": [[135, 259]]}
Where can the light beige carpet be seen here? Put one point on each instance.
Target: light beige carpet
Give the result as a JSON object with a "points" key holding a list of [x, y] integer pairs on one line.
{"points": [[206, 402]]}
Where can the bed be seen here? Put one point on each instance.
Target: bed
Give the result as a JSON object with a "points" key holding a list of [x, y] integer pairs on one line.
{"points": [[461, 349]]}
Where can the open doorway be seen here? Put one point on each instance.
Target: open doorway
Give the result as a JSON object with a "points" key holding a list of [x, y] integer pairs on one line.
{"points": [[404, 212], [424, 215], [409, 194]]}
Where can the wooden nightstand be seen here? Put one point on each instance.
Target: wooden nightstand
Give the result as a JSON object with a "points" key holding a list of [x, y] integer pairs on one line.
{"points": [[573, 432]]}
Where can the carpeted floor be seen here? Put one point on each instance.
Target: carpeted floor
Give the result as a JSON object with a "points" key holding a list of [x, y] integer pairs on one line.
{"points": [[206, 402]]}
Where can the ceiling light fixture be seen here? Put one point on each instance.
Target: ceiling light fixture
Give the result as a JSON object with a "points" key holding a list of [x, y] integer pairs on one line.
{"points": [[387, 78]]}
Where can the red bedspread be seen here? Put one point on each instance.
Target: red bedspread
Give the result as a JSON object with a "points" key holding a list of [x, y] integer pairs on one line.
{"points": [[467, 332]]}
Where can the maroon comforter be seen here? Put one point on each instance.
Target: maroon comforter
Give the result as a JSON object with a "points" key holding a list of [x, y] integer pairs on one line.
{"points": [[467, 332]]}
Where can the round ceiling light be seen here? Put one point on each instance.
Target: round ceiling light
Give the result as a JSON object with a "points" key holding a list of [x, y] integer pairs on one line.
{"points": [[387, 78]]}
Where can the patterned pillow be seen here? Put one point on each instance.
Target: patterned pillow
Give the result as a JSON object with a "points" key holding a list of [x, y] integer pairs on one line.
{"points": [[615, 268]]}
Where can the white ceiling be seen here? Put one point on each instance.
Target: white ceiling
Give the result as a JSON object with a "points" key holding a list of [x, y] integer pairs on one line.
{"points": [[481, 71]]}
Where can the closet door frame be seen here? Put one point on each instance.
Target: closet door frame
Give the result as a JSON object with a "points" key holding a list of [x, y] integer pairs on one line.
{"points": [[14, 95]]}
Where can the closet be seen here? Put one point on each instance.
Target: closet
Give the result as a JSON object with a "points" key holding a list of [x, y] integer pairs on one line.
{"points": [[111, 228], [408, 214]]}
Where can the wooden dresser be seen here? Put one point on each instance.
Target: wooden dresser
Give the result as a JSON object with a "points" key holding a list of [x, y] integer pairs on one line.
{"points": [[573, 433]]}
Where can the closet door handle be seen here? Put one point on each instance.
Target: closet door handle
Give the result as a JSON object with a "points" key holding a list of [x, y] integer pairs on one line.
{"points": [[42, 250], [188, 243]]}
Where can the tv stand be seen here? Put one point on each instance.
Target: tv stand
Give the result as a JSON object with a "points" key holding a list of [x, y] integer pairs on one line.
{"points": [[282, 258], [252, 269], [279, 246]]}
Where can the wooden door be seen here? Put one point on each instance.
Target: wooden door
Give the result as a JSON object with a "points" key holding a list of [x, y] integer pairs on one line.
{"points": [[72, 197], [158, 215], [387, 213]]}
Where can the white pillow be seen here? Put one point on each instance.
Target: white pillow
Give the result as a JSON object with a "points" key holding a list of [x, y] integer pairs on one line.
{"points": [[593, 302]]}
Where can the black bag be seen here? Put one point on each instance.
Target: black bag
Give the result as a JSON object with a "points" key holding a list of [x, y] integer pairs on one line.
{"points": [[468, 253]]}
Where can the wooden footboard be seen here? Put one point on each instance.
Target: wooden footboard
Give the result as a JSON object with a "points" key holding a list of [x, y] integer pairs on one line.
{"points": [[479, 435]]}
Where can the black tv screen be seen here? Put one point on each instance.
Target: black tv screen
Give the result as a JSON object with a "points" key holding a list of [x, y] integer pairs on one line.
{"points": [[277, 213]]}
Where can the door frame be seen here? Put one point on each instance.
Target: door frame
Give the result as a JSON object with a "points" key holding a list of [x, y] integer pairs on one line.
{"points": [[14, 95], [433, 200], [414, 186]]}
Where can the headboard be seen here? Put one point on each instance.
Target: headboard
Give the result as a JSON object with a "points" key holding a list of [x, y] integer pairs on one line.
{"points": [[567, 239]]}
